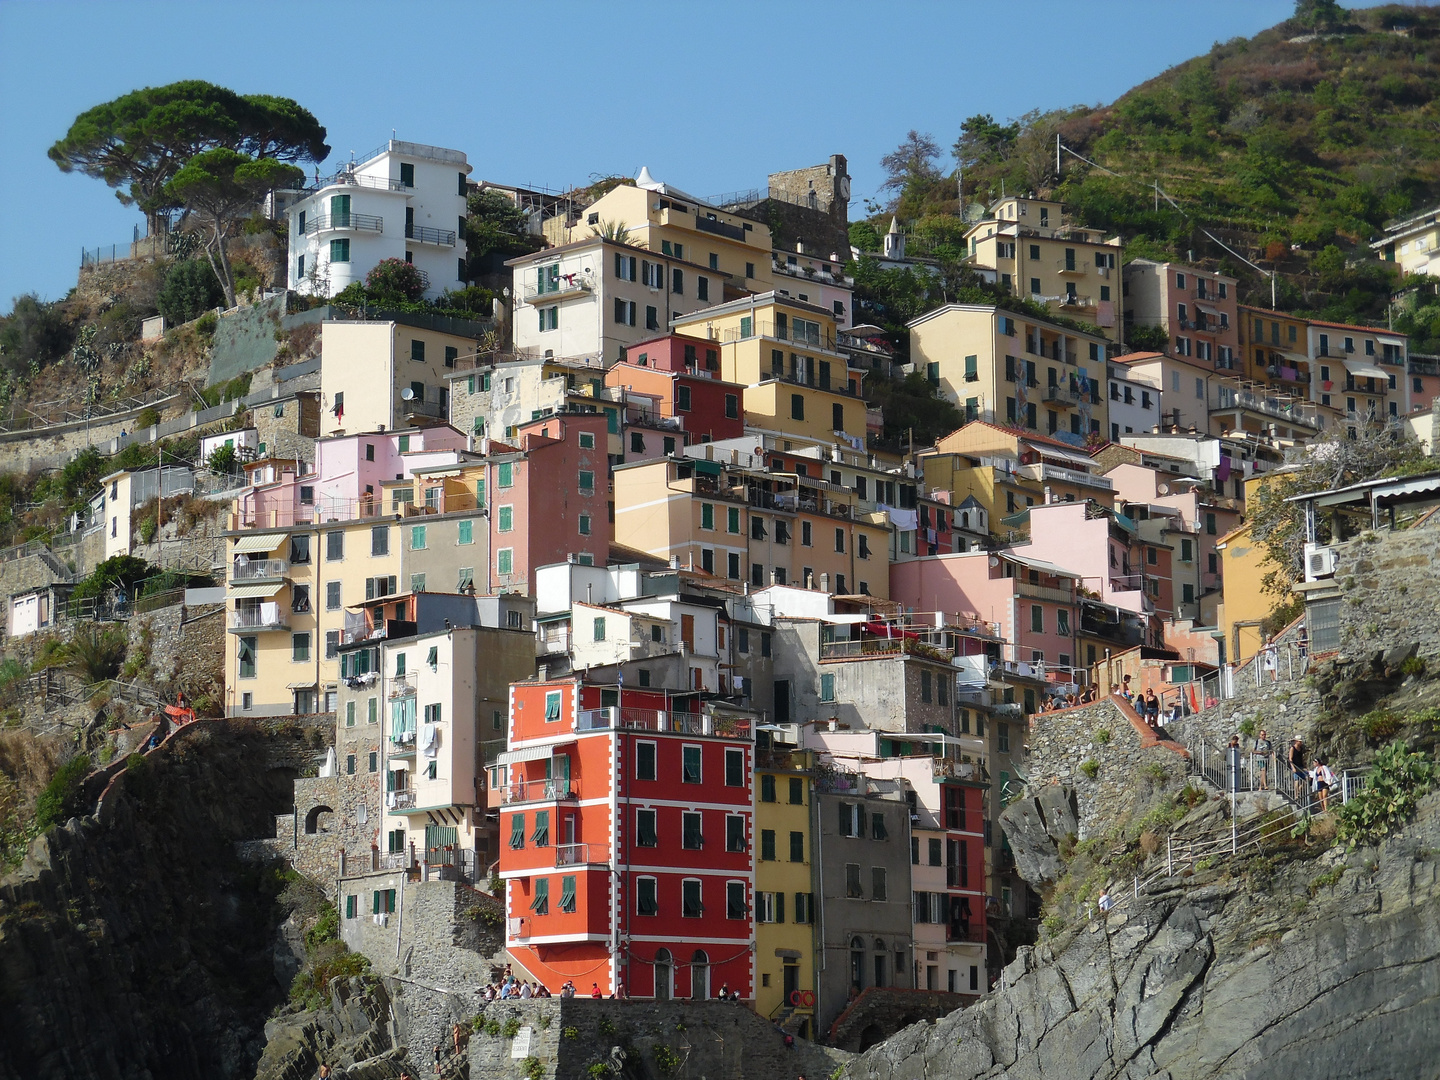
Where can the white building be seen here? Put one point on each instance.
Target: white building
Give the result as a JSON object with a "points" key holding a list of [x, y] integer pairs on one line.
{"points": [[1134, 403], [403, 201], [594, 297]]}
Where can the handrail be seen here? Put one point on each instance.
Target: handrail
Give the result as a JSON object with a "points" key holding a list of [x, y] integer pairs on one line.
{"points": [[329, 222], [426, 235]]}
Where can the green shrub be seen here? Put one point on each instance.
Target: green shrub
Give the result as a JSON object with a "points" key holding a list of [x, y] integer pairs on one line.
{"points": [[666, 1059], [1053, 924], [511, 1028], [572, 1033], [11, 671], [606, 1027], [597, 1071], [1381, 724], [325, 930], [1154, 771], [1102, 735], [1413, 667], [394, 279], [148, 417], [60, 799], [1248, 728], [1325, 880], [96, 655], [492, 1028], [190, 289], [1091, 768], [205, 325], [1395, 784], [532, 1068]]}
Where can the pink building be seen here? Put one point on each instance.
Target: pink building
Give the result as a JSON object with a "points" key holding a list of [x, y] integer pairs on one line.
{"points": [[1032, 600], [348, 473], [1106, 552]]}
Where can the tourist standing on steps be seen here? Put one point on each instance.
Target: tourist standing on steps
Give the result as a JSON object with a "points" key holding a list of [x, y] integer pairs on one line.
{"points": [[1270, 660], [1232, 764], [1324, 780], [1299, 777], [1260, 757]]}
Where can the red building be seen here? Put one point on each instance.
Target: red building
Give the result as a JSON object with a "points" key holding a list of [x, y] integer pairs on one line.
{"points": [[683, 375], [625, 840]]}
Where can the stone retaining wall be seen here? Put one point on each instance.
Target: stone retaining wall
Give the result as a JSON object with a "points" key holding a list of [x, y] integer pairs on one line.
{"points": [[1390, 582]]}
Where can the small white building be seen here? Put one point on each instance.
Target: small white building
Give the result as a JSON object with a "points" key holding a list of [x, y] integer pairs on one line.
{"points": [[403, 201], [1134, 403], [121, 493], [246, 443]]}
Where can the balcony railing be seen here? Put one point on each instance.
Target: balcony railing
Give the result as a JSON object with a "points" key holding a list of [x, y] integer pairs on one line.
{"points": [[401, 685], [259, 569], [426, 235], [1126, 582], [681, 723], [566, 286], [1072, 266], [1041, 472], [548, 790], [582, 854], [821, 340], [417, 407], [867, 647], [1061, 395], [353, 179], [267, 616], [318, 223], [719, 228], [970, 768], [1076, 300], [1044, 592], [403, 799]]}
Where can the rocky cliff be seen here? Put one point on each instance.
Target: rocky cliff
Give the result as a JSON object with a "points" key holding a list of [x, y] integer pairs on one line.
{"points": [[134, 944], [1280, 964]]}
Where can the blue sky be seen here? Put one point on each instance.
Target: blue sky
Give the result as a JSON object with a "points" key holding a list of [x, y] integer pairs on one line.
{"points": [[711, 97]]}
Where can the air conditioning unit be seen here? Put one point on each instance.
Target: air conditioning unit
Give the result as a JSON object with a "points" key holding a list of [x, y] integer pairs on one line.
{"points": [[1319, 562]]}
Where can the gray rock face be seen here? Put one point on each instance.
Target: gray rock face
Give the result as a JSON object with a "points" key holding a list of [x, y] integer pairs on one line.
{"points": [[1036, 827], [1216, 977]]}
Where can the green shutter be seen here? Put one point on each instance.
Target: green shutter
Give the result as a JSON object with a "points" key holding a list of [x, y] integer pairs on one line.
{"points": [[517, 831]]}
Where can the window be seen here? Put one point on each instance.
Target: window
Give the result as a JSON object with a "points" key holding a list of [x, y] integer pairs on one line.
{"points": [[549, 318], [805, 537], [690, 765], [299, 647], [877, 827], [380, 540], [827, 687], [652, 319], [600, 629], [1062, 622], [797, 407], [332, 645], [702, 288], [506, 519], [584, 524], [506, 474], [587, 481], [767, 787], [541, 903], [541, 836], [645, 835], [925, 692], [690, 905], [797, 791], [852, 820], [804, 907], [417, 537], [735, 906], [552, 705], [339, 251], [625, 311], [334, 546], [735, 833], [852, 882], [1037, 619], [645, 898], [300, 598], [300, 549], [517, 832], [567, 893], [677, 282], [734, 768], [878, 891]]}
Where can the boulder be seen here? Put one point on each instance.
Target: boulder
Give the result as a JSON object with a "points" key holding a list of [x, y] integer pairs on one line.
{"points": [[1037, 826]]}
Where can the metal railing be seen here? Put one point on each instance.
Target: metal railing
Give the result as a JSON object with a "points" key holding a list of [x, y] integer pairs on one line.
{"points": [[319, 223], [266, 616], [681, 723], [400, 685], [822, 340], [259, 569], [581, 854], [426, 235], [348, 178], [547, 790], [1072, 266], [402, 799]]}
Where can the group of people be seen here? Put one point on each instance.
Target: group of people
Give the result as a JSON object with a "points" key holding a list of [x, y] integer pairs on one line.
{"points": [[1148, 705], [510, 988], [1316, 777], [1069, 701]]}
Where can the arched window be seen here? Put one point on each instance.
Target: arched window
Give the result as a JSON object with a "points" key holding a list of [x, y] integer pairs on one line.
{"points": [[664, 975]]}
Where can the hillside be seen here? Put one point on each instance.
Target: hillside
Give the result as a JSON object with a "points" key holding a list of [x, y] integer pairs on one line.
{"points": [[1293, 146]]}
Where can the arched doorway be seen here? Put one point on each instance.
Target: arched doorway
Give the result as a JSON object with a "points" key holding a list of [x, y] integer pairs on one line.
{"points": [[881, 954], [318, 820], [857, 965], [664, 975], [700, 975]]}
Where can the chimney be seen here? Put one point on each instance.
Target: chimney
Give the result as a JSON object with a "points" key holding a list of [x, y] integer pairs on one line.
{"points": [[799, 247], [1049, 495], [674, 562], [542, 672]]}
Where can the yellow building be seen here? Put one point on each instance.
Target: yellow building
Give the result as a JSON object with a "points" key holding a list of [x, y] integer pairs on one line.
{"points": [[784, 890], [785, 351], [1412, 243], [1246, 604], [1274, 351], [383, 376], [742, 523], [1007, 368], [662, 218], [1037, 254], [1006, 471]]}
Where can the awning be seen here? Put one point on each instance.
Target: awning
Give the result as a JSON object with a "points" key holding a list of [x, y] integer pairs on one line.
{"points": [[1363, 369], [252, 545], [532, 753], [301, 685], [1296, 358], [707, 468], [1208, 310], [251, 590], [1063, 455]]}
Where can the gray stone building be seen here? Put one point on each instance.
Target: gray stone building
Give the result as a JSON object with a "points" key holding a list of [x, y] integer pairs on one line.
{"points": [[863, 869], [821, 674]]}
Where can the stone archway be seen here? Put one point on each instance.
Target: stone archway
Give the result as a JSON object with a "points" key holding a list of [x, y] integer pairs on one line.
{"points": [[318, 820]]}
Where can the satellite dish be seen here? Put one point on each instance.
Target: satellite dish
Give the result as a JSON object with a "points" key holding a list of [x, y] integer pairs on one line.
{"points": [[1164, 489], [407, 394], [994, 560]]}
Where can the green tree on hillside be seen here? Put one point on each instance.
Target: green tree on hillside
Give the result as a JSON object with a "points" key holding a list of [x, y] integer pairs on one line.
{"points": [[140, 141], [222, 186], [34, 332], [191, 289]]}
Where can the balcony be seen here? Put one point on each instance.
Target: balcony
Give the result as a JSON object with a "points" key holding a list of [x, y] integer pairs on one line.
{"points": [[565, 287], [969, 768], [403, 799], [719, 228], [265, 616], [1042, 473], [260, 570], [426, 235], [866, 648], [1064, 396], [1043, 592], [1076, 267], [549, 790], [1075, 300], [319, 223], [403, 685], [679, 723], [347, 178], [582, 855], [416, 407], [822, 339]]}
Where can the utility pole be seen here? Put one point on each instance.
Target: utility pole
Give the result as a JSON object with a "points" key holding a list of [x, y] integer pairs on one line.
{"points": [[1057, 157]]}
